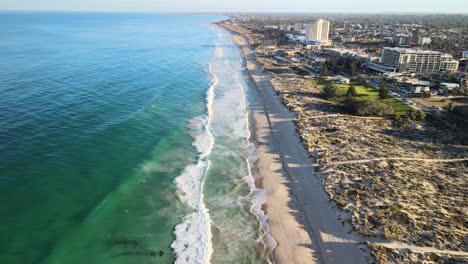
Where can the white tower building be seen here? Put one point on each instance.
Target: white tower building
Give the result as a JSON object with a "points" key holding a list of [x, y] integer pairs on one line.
{"points": [[319, 31]]}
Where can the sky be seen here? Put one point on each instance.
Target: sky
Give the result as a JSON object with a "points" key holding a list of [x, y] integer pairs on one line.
{"points": [[301, 6]]}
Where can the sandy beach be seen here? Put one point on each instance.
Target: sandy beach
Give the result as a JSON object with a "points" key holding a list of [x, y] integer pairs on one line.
{"points": [[302, 221]]}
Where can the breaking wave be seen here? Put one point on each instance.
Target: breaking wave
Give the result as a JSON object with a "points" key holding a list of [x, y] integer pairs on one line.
{"points": [[193, 235]]}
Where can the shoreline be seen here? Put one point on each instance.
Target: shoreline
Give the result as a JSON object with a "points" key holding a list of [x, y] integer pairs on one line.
{"points": [[258, 207], [301, 219]]}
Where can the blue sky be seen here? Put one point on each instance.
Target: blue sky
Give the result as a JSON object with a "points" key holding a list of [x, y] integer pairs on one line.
{"points": [[451, 6]]}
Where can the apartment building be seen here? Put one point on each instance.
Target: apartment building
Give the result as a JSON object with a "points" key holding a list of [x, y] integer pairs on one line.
{"points": [[418, 61]]}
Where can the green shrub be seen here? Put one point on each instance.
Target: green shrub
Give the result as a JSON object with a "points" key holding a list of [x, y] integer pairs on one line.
{"points": [[331, 92], [416, 115]]}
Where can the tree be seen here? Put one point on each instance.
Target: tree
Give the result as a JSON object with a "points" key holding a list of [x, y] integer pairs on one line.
{"points": [[353, 68], [452, 78], [398, 119], [415, 115], [360, 80], [426, 95], [331, 92], [325, 70], [384, 93], [334, 64], [351, 91], [462, 91]]}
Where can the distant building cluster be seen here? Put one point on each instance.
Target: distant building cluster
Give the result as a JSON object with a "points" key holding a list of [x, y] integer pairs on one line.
{"points": [[316, 33], [374, 47]]}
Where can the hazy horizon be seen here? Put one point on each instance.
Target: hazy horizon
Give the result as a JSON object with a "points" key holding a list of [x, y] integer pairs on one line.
{"points": [[243, 6]]}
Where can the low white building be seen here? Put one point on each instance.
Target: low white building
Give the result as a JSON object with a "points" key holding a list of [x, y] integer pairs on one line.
{"points": [[449, 86], [414, 81], [421, 89], [313, 47], [425, 41], [381, 68], [344, 80]]}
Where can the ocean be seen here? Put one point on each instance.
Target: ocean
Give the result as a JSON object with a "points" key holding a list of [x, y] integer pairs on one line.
{"points": [[124, 139]]}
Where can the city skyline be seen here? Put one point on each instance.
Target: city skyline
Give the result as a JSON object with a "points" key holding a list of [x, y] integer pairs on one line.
{"points": [[293, 6]]}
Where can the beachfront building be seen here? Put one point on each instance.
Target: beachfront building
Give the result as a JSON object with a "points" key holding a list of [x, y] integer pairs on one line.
{"points": [[318, 31], [415, 61]]}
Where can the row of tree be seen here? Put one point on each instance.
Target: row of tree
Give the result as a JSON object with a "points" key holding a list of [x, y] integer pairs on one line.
{"points": [[335, 65]]}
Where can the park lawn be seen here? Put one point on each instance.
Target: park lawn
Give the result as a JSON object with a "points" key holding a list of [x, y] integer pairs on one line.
{"points": [[365, 92], [320, 83], [400, 107]]}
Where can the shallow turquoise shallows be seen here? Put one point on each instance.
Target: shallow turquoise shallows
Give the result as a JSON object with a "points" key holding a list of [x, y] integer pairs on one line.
{"points": [[103, 122]]}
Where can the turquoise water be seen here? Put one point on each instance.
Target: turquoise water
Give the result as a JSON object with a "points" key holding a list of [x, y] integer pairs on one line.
{"points": [[119, 143]]}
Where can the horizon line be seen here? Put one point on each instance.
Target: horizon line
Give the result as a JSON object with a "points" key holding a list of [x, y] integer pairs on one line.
{"points": [[243, 12]]}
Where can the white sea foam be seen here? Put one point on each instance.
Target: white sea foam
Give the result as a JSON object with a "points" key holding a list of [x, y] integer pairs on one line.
{"points": [[193, 236], [240, 128], [193, 242], [259, 200], [258, 193]]}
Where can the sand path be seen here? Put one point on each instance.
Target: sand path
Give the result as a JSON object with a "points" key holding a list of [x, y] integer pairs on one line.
{"points": [[396, 158], [398, 245]]}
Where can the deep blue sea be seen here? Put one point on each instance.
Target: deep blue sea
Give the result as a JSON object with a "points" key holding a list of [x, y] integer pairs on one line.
{"points": [[124, 139]]}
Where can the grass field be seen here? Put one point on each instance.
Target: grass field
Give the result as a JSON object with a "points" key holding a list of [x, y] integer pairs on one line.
{"points": [[365, 92]]}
